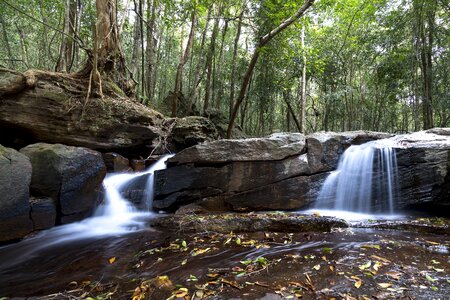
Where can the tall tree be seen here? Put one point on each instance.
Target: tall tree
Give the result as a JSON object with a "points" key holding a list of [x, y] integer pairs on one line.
{"points": [[262, 42]]}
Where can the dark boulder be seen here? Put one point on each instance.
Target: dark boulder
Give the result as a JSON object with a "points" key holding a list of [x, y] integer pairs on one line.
{"points": [[43, 213], [115, 162], [71, 176], [423, 160], [15, 176]]}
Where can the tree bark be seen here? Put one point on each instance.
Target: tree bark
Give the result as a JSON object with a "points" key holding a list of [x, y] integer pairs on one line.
{"points": [[233, 64], [11, 62], [150, 51], [263, 41], [183, 59], [209, 63]]}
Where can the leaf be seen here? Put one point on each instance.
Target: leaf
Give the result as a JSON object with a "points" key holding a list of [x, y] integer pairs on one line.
{"points": [[373, 246], [435, 262], [429, 278], [181, 292], [231, 283], [432, 243], [316, 267], [327, 250], [385, 285], [183, 244], [111, 260], [381, 258], [246, 262], [366, 265], [238, 241], [438, 270], [196, 252], [393, 274], [331, 268], [358, 284], [184, 262]]}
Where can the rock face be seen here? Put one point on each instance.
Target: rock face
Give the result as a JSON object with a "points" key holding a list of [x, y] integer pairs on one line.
{"points": [[424, 168], [39, 106], [71, 176], [282, 171], [15, 176]]}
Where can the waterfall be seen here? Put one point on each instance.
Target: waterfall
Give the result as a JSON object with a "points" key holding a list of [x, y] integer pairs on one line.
{"points": [[365, 180], [115, 216]]}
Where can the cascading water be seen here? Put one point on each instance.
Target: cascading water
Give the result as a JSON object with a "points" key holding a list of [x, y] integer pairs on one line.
{"points": [[115, 216], [364, 182]]}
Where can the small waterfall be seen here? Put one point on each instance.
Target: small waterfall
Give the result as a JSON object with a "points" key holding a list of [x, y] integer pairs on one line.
{"points": [[364, 182], [115, 216], [116, 211]]}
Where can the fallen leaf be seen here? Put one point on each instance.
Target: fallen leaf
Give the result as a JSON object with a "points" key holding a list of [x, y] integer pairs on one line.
{"points": [[393, 274], [432, 243], [331, 268], [358, 284], [373, 246], [231, 283], [111, 260], [381, 258], [429, 278], [366, 265], [385, 285], [238, 241], [181, 292], [316, 267]]}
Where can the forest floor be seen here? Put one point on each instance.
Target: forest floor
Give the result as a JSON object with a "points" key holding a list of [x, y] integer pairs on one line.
{"points": [[372, 260]]}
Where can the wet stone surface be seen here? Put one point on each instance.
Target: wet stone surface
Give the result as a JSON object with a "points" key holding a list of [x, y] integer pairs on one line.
{"points": [[344, 263]]}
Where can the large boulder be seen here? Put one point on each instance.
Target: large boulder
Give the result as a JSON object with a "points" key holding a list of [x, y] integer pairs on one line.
{"points": [[189, 131], [71, 176], [423, 160], [281, 171], [275, 147], [286, 171], [15, 176], [39, 106]]}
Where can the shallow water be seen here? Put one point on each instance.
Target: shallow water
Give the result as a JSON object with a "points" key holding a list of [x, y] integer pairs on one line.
{"points": [[412, 257]]}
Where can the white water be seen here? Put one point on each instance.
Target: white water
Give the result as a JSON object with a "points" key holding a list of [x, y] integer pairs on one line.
{"points": [[116, 216], [364, 181]]}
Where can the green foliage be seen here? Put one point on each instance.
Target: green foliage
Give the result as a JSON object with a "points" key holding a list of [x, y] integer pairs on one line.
{"points": [[362, 58]]}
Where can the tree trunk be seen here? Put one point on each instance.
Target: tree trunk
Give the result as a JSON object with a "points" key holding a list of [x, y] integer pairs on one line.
{"points": [[263, 41], [183, 59], [11, 61], [233, 64], [303, 93], [209, 63], [136, 42], [199, 72], [150, 51]]}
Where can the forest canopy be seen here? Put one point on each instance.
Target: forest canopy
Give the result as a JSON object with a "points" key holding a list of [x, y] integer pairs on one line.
{"points": [[342, 65]]}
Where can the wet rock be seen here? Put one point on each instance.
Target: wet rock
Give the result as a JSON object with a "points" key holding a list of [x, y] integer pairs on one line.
{"points": [[138, 165], [115, 162], [71, 176], [235, 222], [43, 213], [15, 176], [325, 148]]}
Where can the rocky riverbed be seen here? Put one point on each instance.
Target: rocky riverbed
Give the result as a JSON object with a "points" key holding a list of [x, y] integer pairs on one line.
{"points": [[190, 257]]}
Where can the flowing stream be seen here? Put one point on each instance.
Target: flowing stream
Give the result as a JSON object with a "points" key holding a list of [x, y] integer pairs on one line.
{"points": [[114, 217]]}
